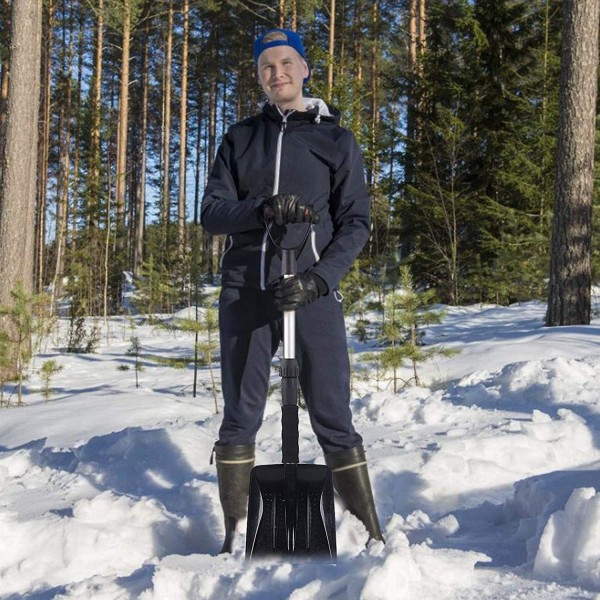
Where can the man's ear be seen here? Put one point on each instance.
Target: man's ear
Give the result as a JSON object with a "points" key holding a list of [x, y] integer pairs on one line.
{"points": [[306, 69]]}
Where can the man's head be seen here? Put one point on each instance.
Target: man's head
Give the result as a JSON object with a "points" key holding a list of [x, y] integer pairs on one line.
{"points": [[282, 67]]}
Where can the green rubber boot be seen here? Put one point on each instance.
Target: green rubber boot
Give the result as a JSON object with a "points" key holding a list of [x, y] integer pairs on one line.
{"points": [[234, 464], [351, 481]]}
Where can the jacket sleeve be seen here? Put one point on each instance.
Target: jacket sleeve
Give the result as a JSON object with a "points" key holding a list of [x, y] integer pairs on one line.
{"points": [[222, 211], [349, 207]]}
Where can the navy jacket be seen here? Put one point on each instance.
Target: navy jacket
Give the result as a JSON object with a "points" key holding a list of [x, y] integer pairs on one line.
{"points": [[304, 153]]}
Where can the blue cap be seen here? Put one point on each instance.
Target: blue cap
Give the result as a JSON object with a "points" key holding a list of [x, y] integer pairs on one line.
{"points": [[280, 37]]}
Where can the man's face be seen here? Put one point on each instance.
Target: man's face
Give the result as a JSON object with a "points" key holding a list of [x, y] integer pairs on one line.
{"points": [[281, 72]]}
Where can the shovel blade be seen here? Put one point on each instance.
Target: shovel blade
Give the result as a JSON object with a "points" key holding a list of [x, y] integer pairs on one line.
{"points": [[291, 512]]}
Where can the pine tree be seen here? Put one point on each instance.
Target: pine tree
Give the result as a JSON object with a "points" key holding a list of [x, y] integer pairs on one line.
{"points": [[135, 350], [407, 312], [156, 289], [18, 334], [18, 165], [569, 297], [48, 370]]}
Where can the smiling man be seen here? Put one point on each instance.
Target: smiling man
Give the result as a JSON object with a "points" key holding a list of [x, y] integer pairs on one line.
{"points": [[285, 172], [282, 69]]}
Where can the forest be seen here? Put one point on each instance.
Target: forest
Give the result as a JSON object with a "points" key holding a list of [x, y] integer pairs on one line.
{"points": [[455, 104]]}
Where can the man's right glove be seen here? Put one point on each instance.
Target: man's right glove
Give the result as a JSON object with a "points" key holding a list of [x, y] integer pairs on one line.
{"points": [[285, 209], [292, 293]]}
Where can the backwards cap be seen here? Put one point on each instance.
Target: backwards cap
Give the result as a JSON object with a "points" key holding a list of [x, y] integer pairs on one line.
{"points": [[279, 37]]}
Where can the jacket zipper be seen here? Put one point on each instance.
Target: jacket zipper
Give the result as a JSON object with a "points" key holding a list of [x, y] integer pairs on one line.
{"points": [[263, 250]]}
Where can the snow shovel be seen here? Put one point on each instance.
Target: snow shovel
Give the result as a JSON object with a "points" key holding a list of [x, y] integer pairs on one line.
{"points": [[290, 506]]}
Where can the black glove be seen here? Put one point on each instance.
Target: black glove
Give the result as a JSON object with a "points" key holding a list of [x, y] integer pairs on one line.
{"points": [[285, 209], [291, 293]]}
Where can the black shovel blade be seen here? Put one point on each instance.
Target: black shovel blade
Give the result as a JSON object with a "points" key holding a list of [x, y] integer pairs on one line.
{"points": [[291, 512]]}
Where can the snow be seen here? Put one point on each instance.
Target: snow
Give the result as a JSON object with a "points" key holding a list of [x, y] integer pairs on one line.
{"points": [[486, 479]]}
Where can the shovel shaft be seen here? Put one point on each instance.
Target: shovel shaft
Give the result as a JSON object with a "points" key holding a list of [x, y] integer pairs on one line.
{"points": [[288, 268], [289, 334], [289, 411], [289, 373]]}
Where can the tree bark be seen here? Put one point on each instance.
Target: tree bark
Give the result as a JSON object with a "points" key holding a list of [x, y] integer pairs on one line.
{"points": [[569, 294], [166, 193], [93, 196], [373, 163], [294, 16], [62, 196], [122, 129], [208, 239], [183, 135], [43, 148], [358, 54], [331, 51], [422, 33], [411, 109], [140, 221], [4, 70], [19, 159]]}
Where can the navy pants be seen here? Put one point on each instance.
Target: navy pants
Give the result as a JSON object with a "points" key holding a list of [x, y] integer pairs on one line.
{"points": [[251, 328]]}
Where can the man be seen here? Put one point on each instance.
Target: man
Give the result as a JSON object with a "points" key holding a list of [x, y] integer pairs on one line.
{"points": [[279, 173]]}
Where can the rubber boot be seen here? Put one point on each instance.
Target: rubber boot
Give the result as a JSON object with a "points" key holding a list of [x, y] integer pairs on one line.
{"points": [[351, 481], [234, 464]]}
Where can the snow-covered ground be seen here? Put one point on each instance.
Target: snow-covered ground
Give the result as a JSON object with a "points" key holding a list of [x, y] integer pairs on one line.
{"points": [[487, 480]]}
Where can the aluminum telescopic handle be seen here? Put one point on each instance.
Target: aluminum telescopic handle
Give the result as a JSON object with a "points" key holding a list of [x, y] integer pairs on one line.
{"points": [[288, 268]]}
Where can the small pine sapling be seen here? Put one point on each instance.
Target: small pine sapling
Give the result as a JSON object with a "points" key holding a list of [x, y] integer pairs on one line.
{"points": [[18, 335], [48, 369], [208, 324], [407, 313], [135, 350], [5, 364], [354, 288], [155, 289]]}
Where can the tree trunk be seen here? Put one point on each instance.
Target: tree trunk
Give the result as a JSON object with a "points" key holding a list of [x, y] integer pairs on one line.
{"points": [[93, 196], [19, 160], [208, 239], [183, 136], [166, 215], [411, 109], [62, 196], [422, 34], [569, 294], [331, 51], [43, 148], [75, 215], [122, 129], [544, 183], [4, 70], [140, 222], [358, 79], [373, 163], [294, 17], [422, 47]]}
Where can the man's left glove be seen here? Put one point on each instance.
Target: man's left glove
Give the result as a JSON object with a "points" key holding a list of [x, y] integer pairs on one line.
{"points": [[291, 293]]}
